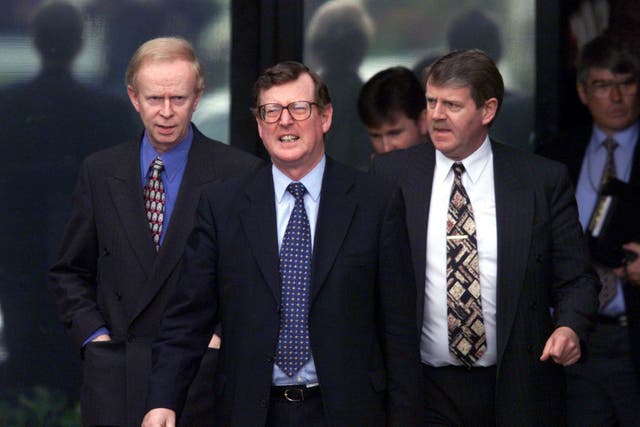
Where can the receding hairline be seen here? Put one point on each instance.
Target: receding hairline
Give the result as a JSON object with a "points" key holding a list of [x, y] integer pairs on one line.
{"points": [[164, 50]]}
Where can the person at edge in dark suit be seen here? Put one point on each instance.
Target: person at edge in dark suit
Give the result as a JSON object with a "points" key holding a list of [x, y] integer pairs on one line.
{"points": [[348, 356], [605, 390], [496, 245], [133, 209]]}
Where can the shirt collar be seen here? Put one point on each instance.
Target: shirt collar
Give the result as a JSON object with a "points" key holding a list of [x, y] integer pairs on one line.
{"points": [[626, 138], [173, 159], [474, 164], [312, 181]]}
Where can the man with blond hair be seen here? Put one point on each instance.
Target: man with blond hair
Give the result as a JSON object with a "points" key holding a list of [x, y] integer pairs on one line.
{"points": [[133, 209]]}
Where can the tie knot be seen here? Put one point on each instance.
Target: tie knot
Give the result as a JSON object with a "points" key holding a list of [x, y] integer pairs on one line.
{"points": [[157, 165], [458, 168], [297, 189], [610, 144]]}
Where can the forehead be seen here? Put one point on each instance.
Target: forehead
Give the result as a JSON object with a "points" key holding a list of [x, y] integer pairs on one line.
{"points": [[605, 74], [165, 73], [449, 92], [300, 89], [396, 120]]}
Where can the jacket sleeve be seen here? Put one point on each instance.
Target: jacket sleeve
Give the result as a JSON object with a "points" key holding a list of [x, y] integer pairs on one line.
{"points": [[72, 278]]}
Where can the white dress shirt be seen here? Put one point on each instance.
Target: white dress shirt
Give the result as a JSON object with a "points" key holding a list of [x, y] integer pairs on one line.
{"points": [[478, 181]]}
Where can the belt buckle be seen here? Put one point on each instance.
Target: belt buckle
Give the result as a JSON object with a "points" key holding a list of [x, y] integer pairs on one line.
{"points": [[298, 394], [623, 321]]}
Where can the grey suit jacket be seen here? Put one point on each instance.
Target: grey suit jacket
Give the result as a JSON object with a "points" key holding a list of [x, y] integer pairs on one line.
{"points": [[542, 263], [109, 273]]}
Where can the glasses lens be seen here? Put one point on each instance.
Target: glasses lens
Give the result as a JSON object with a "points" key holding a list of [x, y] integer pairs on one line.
{"points": [[270, 113], [300, 110]]}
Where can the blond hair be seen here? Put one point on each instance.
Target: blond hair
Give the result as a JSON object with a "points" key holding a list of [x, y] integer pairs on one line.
{"points": [[164, 49]]}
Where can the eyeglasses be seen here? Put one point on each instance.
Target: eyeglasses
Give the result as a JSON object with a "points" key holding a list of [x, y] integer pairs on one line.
{"points": [[602, 88], [298, 110]]}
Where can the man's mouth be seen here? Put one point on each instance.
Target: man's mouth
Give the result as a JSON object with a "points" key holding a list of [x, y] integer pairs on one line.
{"points": [[288, 138]]}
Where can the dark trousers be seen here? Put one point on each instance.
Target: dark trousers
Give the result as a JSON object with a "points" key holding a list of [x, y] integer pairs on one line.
{"points": [[602, 389], [457, 396], [304, 413]]}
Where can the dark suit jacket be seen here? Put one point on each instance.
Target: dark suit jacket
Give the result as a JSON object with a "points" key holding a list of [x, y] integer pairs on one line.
{"points": [[361, 310], [109, 274], [569, 148], [542, 263]]}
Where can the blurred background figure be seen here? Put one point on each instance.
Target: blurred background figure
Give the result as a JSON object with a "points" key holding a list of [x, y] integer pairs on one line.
{"points": [[476, 29], [48, 125], [338, 37], [392, 107]]}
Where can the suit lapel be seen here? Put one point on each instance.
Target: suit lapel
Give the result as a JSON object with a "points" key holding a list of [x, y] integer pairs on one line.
{"points": [[125, 186], [199, 170], [417, 195], [334, 217], [514, 221], [258, 218]]}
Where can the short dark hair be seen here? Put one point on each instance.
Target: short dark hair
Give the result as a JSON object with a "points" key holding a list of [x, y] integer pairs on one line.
{"points": [[469, 68], [285, 72], [610, 53], [389, 92]]}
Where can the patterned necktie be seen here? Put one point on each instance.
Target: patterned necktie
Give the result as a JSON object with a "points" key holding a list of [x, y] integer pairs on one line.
{"points": [[467, 340], [295, 276], [606, 274], [154, 200]]}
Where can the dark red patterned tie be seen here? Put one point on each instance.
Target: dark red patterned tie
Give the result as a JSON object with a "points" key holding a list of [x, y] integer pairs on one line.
{"points": [[467, 340], [154, 200]]}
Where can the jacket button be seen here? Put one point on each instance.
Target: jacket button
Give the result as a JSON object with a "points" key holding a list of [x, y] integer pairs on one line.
{"points": [[263, 403], [118, 295], [270, 358], [540, 259], [131, 338]]}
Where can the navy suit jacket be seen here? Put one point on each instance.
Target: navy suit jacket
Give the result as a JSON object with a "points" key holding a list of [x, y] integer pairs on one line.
{"points": [[542, 263], [361, 316], [569, 148], [109, 274]]}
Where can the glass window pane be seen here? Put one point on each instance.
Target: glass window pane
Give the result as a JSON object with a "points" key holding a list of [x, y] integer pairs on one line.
{"points": [[411, 33], [63, 96]]}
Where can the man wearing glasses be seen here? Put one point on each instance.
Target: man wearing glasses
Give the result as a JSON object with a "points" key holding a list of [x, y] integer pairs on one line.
{"points": [[604, 389], [307, 264]]}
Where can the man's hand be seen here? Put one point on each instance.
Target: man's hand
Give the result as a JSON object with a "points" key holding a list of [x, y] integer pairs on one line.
{"points": [[103, 337], [159, 417], [563, 346], [215, 342], [631, 271]]}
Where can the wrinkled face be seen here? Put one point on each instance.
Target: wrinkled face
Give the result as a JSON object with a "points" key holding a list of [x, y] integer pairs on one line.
{"points": [[611, 98], [398, 133], [456, 126], [166, 97], [295, 146]]}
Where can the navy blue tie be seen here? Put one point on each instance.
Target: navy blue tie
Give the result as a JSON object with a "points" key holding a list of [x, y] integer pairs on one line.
{"points": [[295, 277]]}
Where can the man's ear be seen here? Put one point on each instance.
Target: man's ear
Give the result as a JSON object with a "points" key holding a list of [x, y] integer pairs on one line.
{"points": [[582, 92], [489, 110], [133, 97]]}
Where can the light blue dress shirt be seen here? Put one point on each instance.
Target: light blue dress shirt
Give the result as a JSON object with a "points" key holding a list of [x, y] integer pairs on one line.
{"points": [[284, 205], [589, 181]]}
